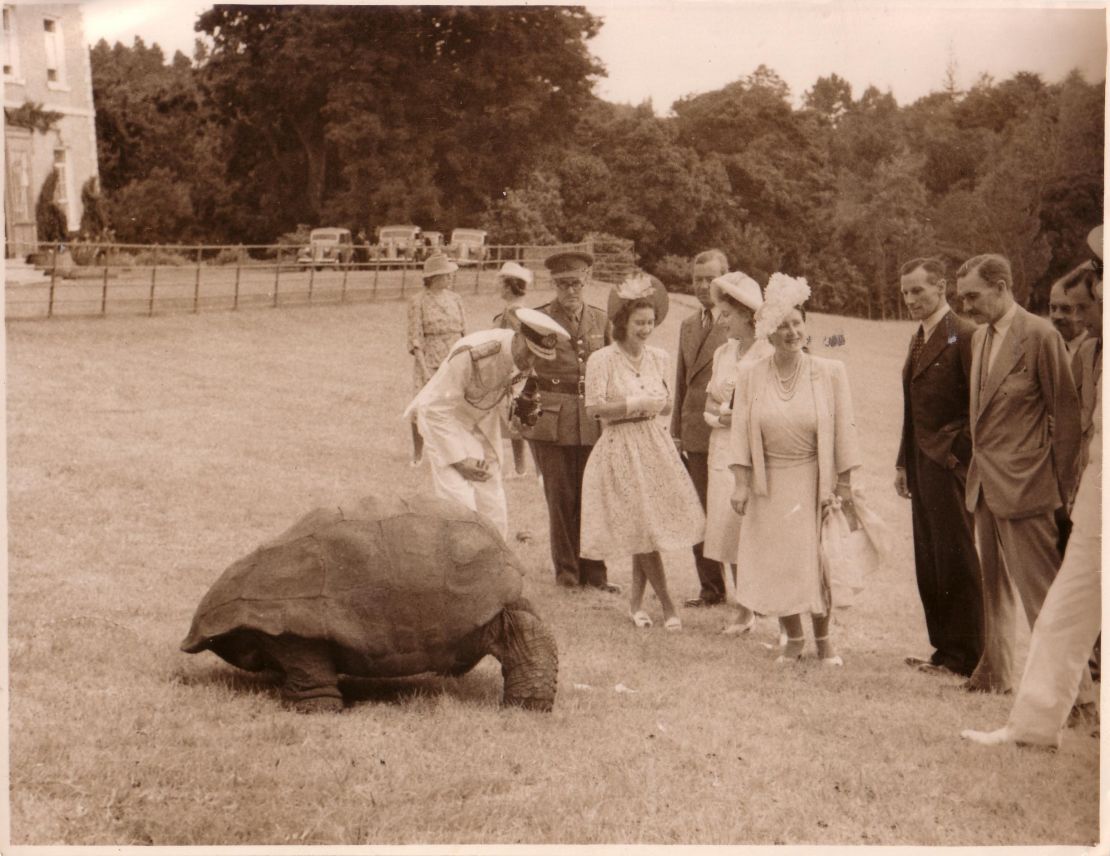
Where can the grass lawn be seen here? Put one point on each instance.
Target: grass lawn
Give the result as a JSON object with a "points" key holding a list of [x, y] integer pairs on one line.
{"points": [[145, 455]]}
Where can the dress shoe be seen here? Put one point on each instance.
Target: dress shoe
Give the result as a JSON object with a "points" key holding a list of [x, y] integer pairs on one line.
{"points": [[970, 687], [695, 602], [989, 738], [914, 662], [738, 629], [936, 669]]}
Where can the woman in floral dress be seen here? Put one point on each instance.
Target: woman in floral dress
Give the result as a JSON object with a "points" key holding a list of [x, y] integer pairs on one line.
{"points": [[436, 321], [737, 296], [637, 499]]}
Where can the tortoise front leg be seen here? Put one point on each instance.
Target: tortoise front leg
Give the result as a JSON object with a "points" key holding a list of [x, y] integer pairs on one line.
{"points": [[528, 654]]}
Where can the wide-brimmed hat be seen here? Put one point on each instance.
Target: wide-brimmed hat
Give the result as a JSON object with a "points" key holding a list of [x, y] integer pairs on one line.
{"points": [[637, 287], [1094, 240], [541, 332], [516, 272], [740, 287], [437, 264], [568, 263]]}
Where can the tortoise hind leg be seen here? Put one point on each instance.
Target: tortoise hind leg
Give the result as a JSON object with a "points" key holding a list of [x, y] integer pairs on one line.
{"points": [[310, 684], [529, 657]]}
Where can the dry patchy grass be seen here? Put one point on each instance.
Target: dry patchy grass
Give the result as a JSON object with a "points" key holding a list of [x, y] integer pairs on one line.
{"points": [[146, 455]]}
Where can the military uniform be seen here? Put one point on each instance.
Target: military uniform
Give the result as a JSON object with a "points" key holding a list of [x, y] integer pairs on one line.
{"points": [[564, 435], [459, 414]]}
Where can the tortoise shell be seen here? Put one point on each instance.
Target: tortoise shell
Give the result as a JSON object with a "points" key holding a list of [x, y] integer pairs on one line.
{"points": [[396, 584]]}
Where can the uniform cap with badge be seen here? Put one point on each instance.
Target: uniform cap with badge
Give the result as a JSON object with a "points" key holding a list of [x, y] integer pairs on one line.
{"points": [[540, 331], [569, 264]]}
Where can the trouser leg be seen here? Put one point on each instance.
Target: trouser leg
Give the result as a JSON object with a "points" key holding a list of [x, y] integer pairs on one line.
{"points": [[1068, 623], [995, 668], [562, 468], [709, 571]]}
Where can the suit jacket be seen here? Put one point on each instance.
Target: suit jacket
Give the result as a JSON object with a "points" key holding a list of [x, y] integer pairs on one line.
{"points": [[1086, 368], [562, 381], [837, 445], [1025, 422], [696, 347], [936, 396]]}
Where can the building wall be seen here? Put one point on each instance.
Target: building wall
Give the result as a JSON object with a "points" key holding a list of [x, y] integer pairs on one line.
{"points": [[70, 93]]}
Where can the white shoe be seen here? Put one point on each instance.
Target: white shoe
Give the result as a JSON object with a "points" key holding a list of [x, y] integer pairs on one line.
{"points": [[989, 738]]}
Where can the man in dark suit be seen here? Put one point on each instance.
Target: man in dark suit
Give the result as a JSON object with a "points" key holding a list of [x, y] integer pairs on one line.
{"points": [[1025, 436], [564, 435], [932, 470], [700, 335]]}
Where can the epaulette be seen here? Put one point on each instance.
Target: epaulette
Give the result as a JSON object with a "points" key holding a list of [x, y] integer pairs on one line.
{"points": [[486, 349]]}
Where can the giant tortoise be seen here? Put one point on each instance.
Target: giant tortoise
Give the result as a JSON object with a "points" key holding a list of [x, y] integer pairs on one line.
{"points": [[380, 587]]}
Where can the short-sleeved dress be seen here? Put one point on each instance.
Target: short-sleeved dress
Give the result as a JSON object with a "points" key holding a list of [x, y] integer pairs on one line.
{"points": [[436, 321], [636, 495]]}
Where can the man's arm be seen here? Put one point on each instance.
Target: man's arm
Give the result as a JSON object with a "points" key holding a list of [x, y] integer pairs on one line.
{"points": [[1062, 405], [444, 432]]}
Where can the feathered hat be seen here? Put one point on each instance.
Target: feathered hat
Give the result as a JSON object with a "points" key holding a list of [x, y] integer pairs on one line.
{"points": [[637, 287], [783, 294]]}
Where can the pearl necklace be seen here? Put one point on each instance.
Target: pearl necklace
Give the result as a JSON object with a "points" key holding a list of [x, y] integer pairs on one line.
{"points": [[788, 386]]}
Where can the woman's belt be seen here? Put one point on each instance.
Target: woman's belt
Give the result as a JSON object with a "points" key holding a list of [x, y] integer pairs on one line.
{"points": [[624, 419]]}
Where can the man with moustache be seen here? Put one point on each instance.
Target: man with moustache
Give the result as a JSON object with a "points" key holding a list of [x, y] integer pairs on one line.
{"points": [[932, 471], [700, 335], [564, 435], [1025, 441], [1066, 311]]}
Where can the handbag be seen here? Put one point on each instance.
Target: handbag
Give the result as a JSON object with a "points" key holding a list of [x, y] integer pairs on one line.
{"points": [[854, 542]]}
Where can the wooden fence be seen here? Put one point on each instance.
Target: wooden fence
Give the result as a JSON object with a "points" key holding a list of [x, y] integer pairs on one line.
{"points": [[145, 280]]}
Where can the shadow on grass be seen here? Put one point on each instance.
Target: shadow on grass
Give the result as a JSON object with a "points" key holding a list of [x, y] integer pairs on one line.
{"points": [[471, 689]]}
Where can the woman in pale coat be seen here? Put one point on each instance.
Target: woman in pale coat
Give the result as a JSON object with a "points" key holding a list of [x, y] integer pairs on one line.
{"points": [[737, 297], [793, 447]]}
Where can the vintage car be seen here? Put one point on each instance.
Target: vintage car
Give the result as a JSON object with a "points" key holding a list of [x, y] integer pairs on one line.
{"points": [[468, 245], [327, 248], [399, 242], [433, 243]]}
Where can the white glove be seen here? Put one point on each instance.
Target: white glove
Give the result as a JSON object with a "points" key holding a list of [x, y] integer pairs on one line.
{"points": [[644, 405]]}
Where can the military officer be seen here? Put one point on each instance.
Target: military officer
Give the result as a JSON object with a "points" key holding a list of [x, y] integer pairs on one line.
{"points": [[459, 410], [564, 435]]}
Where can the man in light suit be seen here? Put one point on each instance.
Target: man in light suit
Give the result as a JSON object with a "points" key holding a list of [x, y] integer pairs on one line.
{"points": [[932, 471], [1025, 444], [700, 335]]}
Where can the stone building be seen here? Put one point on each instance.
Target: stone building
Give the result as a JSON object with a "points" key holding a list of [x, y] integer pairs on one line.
{"points": [[49, 121]]}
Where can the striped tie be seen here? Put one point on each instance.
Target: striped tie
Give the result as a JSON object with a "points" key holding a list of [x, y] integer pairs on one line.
{"points": [[918, 346]]}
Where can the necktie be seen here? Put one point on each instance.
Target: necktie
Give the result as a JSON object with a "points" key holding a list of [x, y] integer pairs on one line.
{"points": [[706, 319], [918, 346], [988, 347]]}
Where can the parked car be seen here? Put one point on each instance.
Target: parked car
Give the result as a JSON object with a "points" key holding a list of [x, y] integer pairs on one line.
{"points": [[399, 242], [468, 245], [433, 243], [328, 247]]}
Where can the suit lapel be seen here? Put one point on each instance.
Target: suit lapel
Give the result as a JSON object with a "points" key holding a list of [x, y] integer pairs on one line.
{"points": [[710, 340], [977, 366], [1009, 352]]}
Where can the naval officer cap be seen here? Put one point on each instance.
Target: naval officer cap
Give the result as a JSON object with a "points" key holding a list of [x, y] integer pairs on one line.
{"points": [[570, 263], [540, 331]]}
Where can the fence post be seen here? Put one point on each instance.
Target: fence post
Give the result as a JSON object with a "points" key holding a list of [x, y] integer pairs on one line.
{"points": [[277, 278], [53, 282], [343, 285], [196, 285], [238, 269], [311, 279], [153, 279], [477, 275], [374, 290], [104, 291], [404, 270]]}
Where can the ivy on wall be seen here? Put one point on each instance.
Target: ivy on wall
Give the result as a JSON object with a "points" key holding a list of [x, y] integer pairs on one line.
{"points": [[33, 117]]}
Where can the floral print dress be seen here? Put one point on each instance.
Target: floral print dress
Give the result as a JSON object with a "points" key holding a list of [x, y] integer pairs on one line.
{"points": [[436, 321]]}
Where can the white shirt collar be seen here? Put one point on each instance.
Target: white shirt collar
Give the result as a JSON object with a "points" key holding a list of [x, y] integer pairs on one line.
{"points": [[930, 323]]}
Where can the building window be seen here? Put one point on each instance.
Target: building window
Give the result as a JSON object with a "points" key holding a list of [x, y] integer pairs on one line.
{"points": [[61, 189], [11, 45], [55, 52]]}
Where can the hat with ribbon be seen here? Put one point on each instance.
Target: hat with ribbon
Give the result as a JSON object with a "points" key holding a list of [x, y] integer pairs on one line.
{"points": [[640, 286], [783, 294], [438, 264], [512, 269], [541, 332], [740, 287]]}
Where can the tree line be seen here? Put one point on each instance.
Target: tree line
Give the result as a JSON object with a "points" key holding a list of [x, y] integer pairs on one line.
{"points": [[486, 116]]}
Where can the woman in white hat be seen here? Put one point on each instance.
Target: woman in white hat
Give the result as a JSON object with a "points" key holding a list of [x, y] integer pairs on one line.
{"points": [[737, 297], [514, 280], [792, 449], [436, 321], [637, 498]]}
